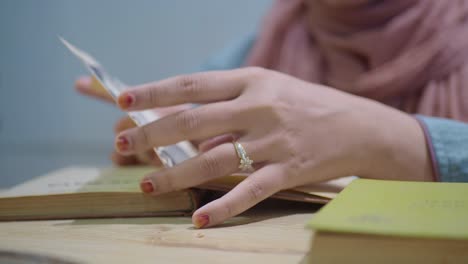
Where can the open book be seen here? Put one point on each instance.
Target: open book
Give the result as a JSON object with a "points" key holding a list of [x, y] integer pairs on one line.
{"points": [[80, 192]]}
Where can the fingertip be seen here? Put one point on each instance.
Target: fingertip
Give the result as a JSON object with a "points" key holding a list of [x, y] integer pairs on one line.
{"points": [[123, 145], [201, 220], [147, 186], [126, 100], [211, 214], [83, 84]]}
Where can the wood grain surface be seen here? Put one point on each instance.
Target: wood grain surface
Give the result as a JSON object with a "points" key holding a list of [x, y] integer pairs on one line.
{"points": [[272, 232]]}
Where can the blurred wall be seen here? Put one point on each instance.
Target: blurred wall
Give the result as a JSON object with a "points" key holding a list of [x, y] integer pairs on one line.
{"points": [[44, 124]]}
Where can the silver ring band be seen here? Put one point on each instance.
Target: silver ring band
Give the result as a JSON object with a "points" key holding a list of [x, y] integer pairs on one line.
{"points": [[245, 163]]}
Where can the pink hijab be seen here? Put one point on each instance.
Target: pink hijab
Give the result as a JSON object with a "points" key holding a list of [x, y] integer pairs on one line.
{"points": [[410, 54]]}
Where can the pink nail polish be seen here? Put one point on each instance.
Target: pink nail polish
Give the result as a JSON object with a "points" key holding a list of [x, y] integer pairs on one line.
{"points": [[202, 221], [147, 186], [126, 100], [122, 143]]}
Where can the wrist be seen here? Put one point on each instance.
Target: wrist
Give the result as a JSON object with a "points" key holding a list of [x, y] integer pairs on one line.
{"points": [[399, 149]]}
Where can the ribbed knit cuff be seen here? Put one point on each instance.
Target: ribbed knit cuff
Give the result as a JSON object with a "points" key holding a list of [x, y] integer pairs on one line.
{"points": [[430, 146]]}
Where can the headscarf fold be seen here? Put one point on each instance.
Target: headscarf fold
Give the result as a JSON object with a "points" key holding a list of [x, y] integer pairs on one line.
{"points": [[410, 54]]}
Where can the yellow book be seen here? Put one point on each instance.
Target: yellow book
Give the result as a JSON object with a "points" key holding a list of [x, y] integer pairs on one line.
{"points": [[90, 193], [79, 192], [374, 221]]}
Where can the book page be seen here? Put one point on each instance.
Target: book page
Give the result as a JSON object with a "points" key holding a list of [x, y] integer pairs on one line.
{"points": [[79, 179], [126, 179], [329, 189]]}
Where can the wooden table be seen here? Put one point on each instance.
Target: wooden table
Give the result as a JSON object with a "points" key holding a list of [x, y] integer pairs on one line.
{"points": [[272, 232]]}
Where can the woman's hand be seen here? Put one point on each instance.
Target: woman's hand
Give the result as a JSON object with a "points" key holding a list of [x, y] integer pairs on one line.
{"points": [[295, 132], [91, 87]]}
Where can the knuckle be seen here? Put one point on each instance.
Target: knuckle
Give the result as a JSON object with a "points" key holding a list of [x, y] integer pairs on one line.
{"points": [[186, 122], [190, 86], [255, 190], [296, 165], [210, 166], [154, 94], [229, 209], [167, 182], [263, 108]]}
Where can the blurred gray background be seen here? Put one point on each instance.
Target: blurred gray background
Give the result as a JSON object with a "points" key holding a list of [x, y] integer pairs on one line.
{"points": [[44, 123]]}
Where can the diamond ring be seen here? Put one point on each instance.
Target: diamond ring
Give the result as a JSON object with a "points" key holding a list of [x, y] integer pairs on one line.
{"points": [[245, 163]]}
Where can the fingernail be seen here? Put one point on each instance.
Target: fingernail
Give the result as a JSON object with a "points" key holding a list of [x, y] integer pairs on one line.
{"points": [[123, 144], [126, 100], [202, 221], [147, 186]]}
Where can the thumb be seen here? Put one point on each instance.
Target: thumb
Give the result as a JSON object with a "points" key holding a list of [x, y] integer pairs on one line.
{"points": [[89, 86]]}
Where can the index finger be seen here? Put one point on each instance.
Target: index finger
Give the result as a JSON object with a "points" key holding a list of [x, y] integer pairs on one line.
{"points": [[202, 87]]}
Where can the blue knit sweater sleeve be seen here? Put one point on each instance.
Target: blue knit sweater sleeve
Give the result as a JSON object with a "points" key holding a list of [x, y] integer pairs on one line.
{"points": [[448, 142]]}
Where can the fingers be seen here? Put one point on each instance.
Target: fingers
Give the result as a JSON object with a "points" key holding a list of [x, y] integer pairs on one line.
{"points": [[255, 188], [91, 87], [215, 141], [196, 88], [123, 124], [219, 161], [199, 123], [164, 111], [144, 157]]}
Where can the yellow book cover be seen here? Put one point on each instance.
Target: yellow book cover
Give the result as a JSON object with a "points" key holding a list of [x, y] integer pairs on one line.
{"points": [[413, 209], [376, 221]]}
